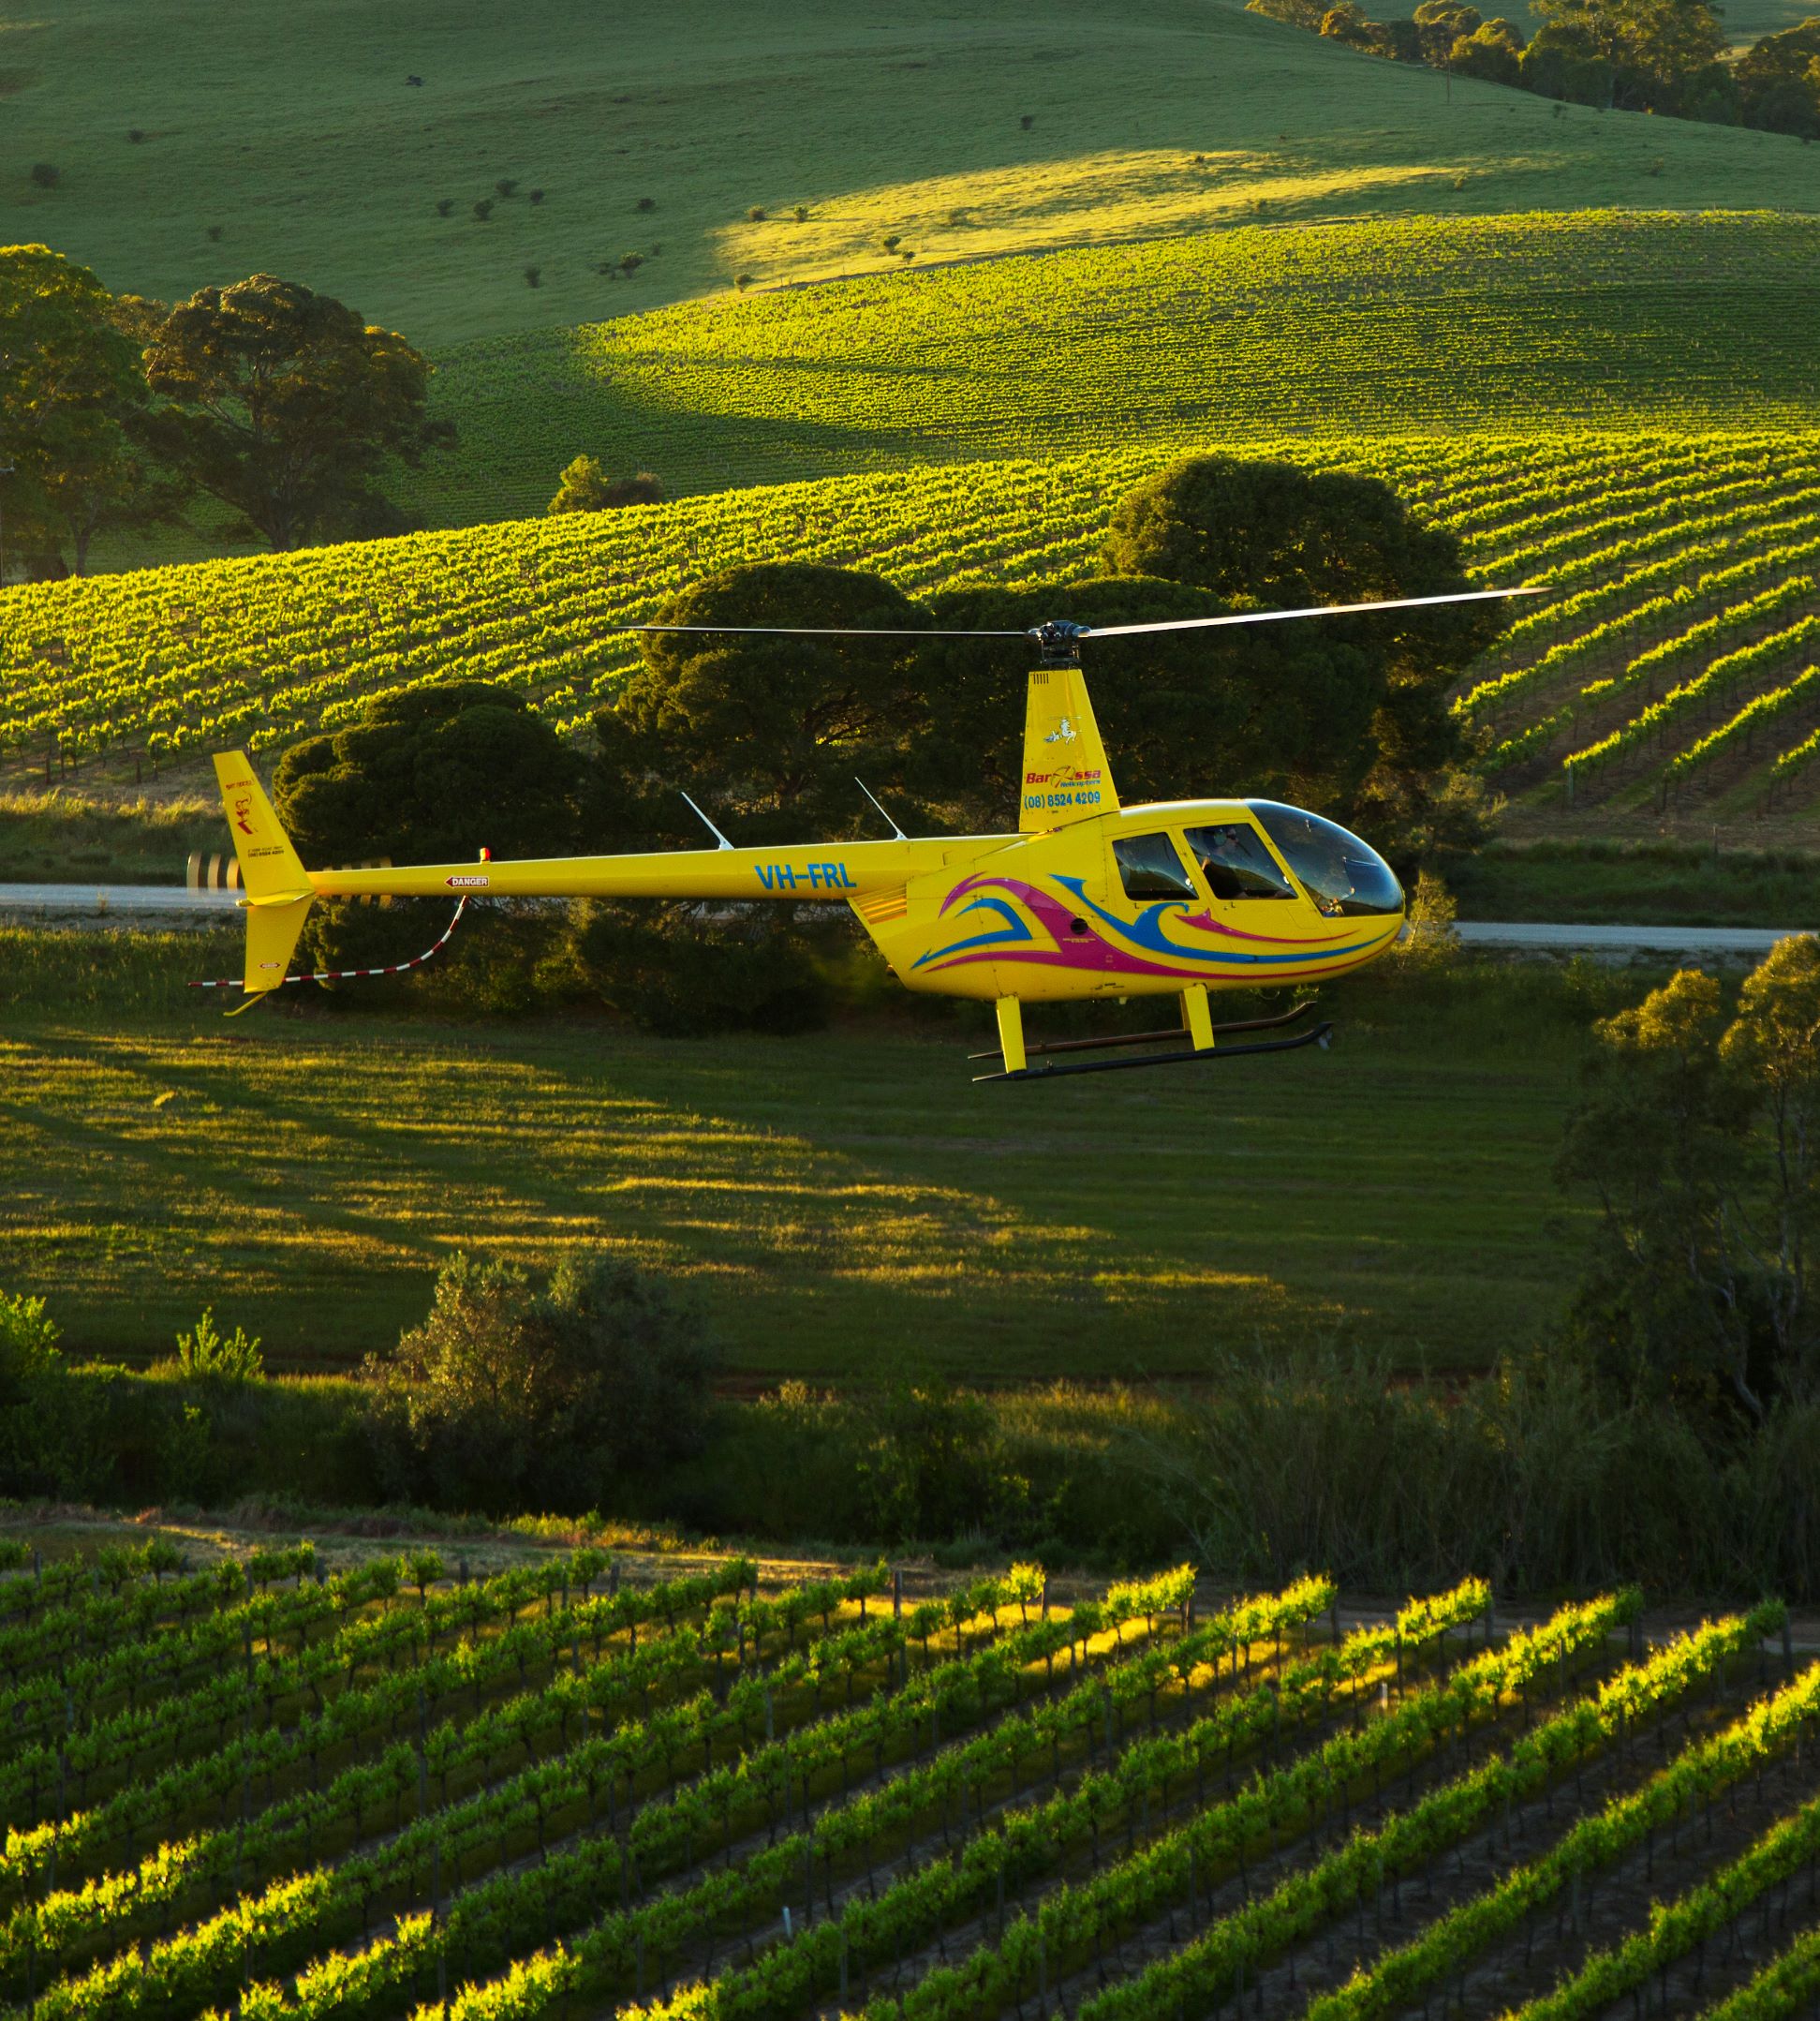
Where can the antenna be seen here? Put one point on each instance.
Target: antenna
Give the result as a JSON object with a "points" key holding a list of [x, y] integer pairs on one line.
{"points": [[897, 833], [720, 841]]}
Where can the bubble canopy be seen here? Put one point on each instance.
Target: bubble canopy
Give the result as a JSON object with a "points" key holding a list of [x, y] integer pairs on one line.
{"points": [[1340, 873]]}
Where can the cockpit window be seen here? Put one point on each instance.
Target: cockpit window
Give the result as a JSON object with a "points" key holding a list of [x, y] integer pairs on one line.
{"points": [[1236, 863], [1151, 867], [1342, 875]]}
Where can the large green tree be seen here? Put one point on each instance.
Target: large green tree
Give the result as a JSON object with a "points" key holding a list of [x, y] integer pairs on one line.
{"points": [[1274, 711], [284, 405], [72, 400], [1662, 56], [430, 775], [1779, 81], [771, 730], [1699, 1139], [1274, 535]]}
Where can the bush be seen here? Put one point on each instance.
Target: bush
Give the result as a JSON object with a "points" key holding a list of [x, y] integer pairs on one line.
{"points": [[508, 1393], [484, 209], [28, 1344], [537, 196], [586, 488], [45, 175], [205, 1355], [743, 281], [648, 203], [136, 134], [507, 185], [213, 234], [629, 262], [755, 216], [801, 214], [673, 973], [533, 276], [444, 206]]}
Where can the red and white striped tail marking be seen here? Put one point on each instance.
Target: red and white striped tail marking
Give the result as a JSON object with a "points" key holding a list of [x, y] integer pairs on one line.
{"points": [[342, 976]]}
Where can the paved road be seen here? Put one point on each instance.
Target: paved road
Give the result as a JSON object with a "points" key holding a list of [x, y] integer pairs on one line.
{"points": [[101, 898], [98, 901], [1626, 940]]}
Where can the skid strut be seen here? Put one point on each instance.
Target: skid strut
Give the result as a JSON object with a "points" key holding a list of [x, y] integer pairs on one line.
{"points": [[1199, 1028]]}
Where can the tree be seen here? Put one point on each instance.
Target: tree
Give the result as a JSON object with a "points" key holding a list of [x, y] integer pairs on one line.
{"points": [[1657, 1140], [426, 774], [1276, 712], [1779, 82], [1440, 23], [773, 730], [1659, 51], [1701, 1144], [1274, 535], [285, 407], [510, 1389], [71, 393], [1492, 53], [586, 488]]}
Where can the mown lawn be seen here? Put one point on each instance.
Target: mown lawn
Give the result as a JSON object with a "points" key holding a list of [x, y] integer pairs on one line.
{"points": [[845, 1205]]}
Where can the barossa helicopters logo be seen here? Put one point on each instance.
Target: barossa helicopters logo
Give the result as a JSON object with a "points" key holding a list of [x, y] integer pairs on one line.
{"points": [[1065, 774]]}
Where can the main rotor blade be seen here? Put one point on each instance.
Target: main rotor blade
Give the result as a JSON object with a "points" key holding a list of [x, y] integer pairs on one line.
{"points": [[820, 632], [1315, 610]]}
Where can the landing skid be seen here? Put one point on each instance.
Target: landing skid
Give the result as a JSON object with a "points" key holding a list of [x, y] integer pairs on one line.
{"points": [[1317, 1036]]}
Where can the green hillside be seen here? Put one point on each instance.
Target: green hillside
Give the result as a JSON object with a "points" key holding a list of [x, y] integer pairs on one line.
{"points": [[1381, 328], [1682, 617], [293, 133]]}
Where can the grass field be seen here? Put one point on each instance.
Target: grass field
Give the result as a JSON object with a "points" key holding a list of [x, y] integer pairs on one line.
{"points": [[1437, 326], [846, 1205], [291, 135], [1417, 1795]]}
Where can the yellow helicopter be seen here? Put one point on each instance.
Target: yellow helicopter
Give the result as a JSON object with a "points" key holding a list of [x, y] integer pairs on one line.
{"points": [[1088, 899]]}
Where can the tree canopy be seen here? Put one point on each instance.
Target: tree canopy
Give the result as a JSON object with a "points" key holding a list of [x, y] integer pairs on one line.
{"points": [[1699, 1139], [774, 730], [429, 775], [1276, 536], [283, 403], [72, 400], [1779, 82]]}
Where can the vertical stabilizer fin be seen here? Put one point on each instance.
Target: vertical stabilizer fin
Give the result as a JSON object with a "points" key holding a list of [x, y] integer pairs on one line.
{"points": [[278, 889], [1066, 776], [269, 866]]}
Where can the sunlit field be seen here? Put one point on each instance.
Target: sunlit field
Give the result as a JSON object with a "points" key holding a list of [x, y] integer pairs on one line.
{"points": [[844, 1205]]}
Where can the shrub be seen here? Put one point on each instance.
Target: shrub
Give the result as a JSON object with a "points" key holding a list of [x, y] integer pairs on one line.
{"points": [[891, 240], [801, 214], [537, 196], [533, 276], [136, 134], [756, 214], [509, 1391], [45, 175], [743, 281], [444, 206], [1028, 121], [205, 1355], [28, 1344], [673, 973], [586, 488], [628, 262], [484, 209], [507, 185], [648, 203], [214, 234]]}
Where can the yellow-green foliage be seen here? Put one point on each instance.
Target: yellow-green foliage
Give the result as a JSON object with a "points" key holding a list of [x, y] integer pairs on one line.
{"points": [[1637, 538]]}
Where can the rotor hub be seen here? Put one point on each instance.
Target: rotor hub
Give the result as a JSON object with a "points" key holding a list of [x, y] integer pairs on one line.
{"points": [[1058, 642]]}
